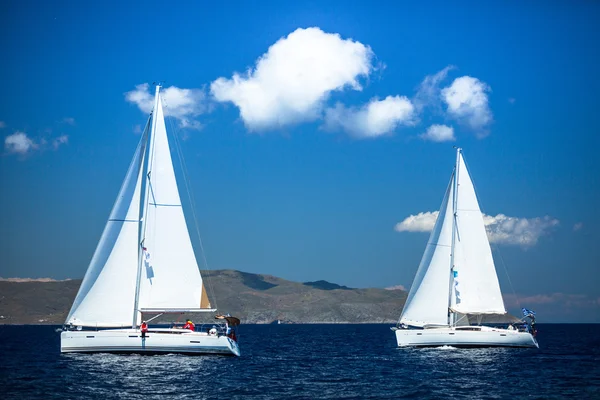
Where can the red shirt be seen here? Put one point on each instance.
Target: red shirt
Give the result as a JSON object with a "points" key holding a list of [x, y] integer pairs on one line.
{"points": [[189, 325], [144, 327]]}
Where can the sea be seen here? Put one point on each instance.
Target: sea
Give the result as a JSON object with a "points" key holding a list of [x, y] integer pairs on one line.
{"points": [[307, 362]]}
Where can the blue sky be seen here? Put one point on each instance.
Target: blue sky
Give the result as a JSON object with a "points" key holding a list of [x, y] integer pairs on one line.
{"points": [[307, 165]]}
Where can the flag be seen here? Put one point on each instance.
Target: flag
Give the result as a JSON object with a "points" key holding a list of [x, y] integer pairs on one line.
{"points": [[527, 312]]}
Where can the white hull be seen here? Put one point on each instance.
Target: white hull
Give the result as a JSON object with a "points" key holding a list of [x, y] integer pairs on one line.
{"points": [[461, 337], [156, 341]]}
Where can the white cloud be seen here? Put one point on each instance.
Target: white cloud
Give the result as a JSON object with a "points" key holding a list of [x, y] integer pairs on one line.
{"points": [[500, 229], [439, 133], [293, 79], [69, 121], [182, 104], [519, 231], [577, 226], [377, 118], [396, 287], [62, 139], [137, 129], [19, 143], [2, 124], [467, 102], [428, 93], [422, 222]]}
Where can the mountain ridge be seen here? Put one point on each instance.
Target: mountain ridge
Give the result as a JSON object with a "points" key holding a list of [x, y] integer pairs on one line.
{"points": [[255, 298]]}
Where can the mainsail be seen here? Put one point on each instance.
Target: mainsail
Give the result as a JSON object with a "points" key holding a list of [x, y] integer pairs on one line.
{"points": [[170, 277]]}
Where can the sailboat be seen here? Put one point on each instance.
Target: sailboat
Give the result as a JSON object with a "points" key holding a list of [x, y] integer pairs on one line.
{"points": [[456, 280], [145, 266]]}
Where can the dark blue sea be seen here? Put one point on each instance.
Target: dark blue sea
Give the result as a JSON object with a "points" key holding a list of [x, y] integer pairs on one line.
{"points": [[307, 362]]}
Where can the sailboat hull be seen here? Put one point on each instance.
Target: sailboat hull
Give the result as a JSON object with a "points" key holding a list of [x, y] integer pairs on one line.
{"points": [[156, 341], [481, 337]]}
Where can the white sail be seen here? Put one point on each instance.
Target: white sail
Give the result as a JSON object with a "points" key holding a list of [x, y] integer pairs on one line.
{"points": [[477, 290], [427, 302], [108, 287], [170, 277]]}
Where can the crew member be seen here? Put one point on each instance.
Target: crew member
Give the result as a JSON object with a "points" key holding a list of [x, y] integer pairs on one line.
{"points": [[189, 325], [144, 329]]}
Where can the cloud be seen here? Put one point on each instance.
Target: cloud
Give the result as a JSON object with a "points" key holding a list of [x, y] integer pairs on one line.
{"points": [[21, 280], [428, 92], [396, 287], [422, 222], [19, 143], [2, 124], [69, 121], [500, 229], [292, 80], [182, 104], [377, 118], [565, 299], [62, 139], [137, 129], [439, 133], [467, 102], [512, 100], [577, 226], [519, 231]]}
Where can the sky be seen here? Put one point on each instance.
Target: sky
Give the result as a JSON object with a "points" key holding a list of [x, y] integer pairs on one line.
{"points": [[318, 136]]}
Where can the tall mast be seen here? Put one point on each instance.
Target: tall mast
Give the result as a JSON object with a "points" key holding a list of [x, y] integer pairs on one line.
{"points": [[144, 208], [452, 248]]}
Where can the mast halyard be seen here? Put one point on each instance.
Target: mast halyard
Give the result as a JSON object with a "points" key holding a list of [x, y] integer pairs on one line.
{"points": [[144, 206], [453, 245]]}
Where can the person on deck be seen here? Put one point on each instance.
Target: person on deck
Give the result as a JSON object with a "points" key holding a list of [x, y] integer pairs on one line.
{"points": [[144, 329], [189, 325]]}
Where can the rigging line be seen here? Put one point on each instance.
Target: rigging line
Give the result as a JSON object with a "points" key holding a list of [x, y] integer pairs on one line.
{"points": [[193, 204], [495, 247]]}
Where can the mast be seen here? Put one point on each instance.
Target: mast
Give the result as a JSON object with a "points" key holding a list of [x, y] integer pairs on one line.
{"points": [[452, 248], [144, 207]]}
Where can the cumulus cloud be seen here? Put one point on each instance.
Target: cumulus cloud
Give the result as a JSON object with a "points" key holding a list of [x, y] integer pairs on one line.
{"points": [[422, 222], [439, 133], [19, 143], [519, 231], [500, 229], [182, 104], [467, 102], [293, 79], [428, 92], [69, 121], [577, 226], [377, 118]]}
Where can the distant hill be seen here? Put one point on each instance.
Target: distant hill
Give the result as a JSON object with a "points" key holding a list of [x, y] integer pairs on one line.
{"points": [[254, 298], [324, 285]]}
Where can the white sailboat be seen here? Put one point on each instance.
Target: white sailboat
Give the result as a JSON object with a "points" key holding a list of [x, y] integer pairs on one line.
{"points": [[457, 279], [144, 265]]}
